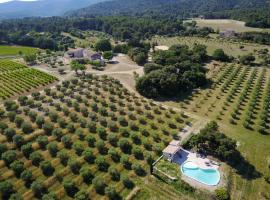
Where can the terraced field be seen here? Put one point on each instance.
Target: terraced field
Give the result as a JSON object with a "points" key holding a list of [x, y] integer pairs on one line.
{"points": [[89, 134], [16, 78]]}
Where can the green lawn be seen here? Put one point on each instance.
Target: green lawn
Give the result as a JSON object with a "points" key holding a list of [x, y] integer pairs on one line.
{"points": [[14, 50]]}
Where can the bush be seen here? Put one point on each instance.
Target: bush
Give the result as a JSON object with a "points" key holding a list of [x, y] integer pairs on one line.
{"points": [[38, 189], [40, 121], [27, 128], [102, 133], [78, 147], [47, 168], [9, 133], [63, 156], [58, 133], [111, 193], [115, 175], [16, 197], [17, 167], [74, 165], [89, 155], [42, 141], [67, 141], [125, 161], [52, 147], [36, 158], [103, 45], [86, 175], [91, 140], [9, 157], [3, 149], [99, 185], [18, 140], [101, 146], [125, 145], [220, 55], [50, 196], [115, 154], [127, 182], [48, 128], [222, 194], [138, 169], [18, 121], [27, 176], [6, 189], [81, 195], [102, 163], [70, 188]]}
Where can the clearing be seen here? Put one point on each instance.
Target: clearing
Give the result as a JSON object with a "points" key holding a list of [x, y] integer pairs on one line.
{"points": [[226, 24]]}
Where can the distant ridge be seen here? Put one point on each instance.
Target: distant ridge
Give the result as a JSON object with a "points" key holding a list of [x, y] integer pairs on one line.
{"points": [[180, 7], [41, 8]]}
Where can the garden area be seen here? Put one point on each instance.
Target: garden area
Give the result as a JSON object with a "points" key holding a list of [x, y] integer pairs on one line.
{"points": [[87, 138]]}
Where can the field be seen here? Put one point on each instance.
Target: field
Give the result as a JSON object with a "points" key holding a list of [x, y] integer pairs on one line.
{"points": [[227, 24], [15, 50], [229, 47], [87, 134], [239, 100], [16, 78]]}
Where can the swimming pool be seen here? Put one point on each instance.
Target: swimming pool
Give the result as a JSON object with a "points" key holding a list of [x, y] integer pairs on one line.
{"points": [[205, 176]]}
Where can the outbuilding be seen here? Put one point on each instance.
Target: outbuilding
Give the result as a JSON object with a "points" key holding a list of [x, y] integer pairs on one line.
{"points": [[171, 150]]}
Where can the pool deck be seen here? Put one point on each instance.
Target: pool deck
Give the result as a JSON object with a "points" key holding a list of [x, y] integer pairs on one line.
{"points": [[203, 163]]}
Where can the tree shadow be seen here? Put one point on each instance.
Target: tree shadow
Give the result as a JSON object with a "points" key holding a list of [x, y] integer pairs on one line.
{"points": [[184, 95], [243, 168]]}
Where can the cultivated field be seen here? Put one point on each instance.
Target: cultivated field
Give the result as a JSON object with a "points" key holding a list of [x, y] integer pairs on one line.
{"points": [[16, 78], [227, 24], [89, 134], [230, 47], [239, 100], [16, 50]]}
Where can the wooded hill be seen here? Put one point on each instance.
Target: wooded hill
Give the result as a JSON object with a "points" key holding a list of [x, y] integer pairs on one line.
{"points": [[250, 11]]}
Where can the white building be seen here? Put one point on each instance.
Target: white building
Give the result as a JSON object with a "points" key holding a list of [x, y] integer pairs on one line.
{"points": [[171, 150], [81, 53]]}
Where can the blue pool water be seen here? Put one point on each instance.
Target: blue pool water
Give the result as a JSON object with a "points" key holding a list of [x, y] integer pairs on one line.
{"points": [[205, 176]]}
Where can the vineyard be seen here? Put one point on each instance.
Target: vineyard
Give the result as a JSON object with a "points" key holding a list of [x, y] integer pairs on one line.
{"points": [[88, 138], [16, 78]]}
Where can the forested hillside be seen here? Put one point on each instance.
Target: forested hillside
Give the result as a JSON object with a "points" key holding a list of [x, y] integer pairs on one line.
{"points": [[184, 9], [46, 32]]}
